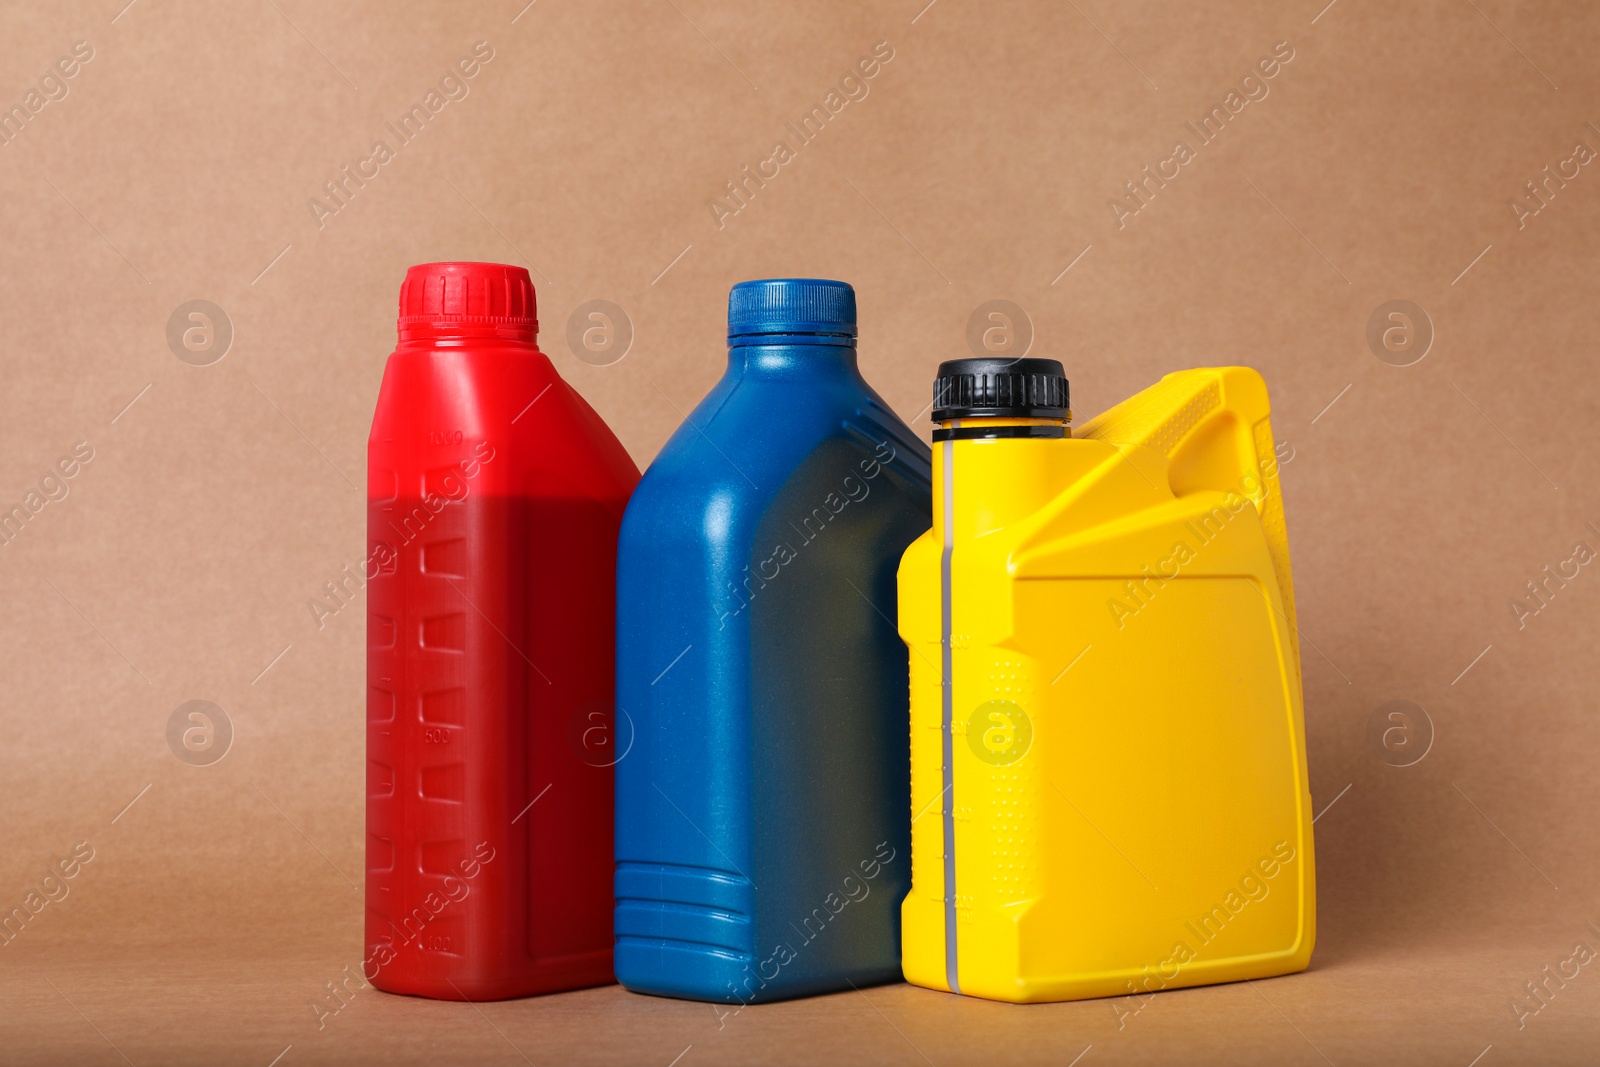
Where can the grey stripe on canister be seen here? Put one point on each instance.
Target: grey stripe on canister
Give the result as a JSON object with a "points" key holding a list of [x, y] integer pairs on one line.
{"points": [[947, 720]]}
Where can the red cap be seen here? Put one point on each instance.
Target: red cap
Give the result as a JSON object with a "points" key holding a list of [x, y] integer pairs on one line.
{"points": [[477, 299]]}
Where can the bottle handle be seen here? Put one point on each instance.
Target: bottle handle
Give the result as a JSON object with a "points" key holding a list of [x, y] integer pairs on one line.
{"points": [[1213, 425]]}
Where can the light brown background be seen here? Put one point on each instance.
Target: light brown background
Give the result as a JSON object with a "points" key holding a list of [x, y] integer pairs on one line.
{"points": [[980, 165]]}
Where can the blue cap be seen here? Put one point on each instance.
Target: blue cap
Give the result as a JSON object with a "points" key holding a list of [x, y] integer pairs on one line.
{"points": [[799, 310]]}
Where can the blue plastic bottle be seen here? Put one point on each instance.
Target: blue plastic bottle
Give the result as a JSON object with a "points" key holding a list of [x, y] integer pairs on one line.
{"points": [[763, 811]]}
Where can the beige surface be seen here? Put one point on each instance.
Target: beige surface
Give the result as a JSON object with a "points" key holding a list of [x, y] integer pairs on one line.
{"points": [[180, 563]]}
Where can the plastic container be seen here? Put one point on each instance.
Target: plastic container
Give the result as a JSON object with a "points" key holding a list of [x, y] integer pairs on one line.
{"points": [[494, 495], [763, 817], [1107, 727]]}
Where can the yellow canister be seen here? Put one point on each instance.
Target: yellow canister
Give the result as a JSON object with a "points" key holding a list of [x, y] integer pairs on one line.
{"points": [[1109, 786]]}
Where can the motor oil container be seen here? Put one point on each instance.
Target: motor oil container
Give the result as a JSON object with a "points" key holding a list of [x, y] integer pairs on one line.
{"points": [[763, 813], [494, 496], [1107, 738]]}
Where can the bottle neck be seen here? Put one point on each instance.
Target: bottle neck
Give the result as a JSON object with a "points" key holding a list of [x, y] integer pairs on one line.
{"points": [[988, 428], [447, 334], [991, 472], [776, 357]]}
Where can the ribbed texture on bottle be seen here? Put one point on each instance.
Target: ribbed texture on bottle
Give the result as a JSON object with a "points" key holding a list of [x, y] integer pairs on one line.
{"points": [[475, 297], [1018, 388], [794, 306]]}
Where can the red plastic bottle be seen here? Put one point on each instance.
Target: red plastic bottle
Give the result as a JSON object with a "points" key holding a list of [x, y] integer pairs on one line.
{"points": [[494, 495]]}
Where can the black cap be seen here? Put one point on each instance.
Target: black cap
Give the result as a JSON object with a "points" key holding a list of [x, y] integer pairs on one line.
{"points": [[1000, 388]]}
